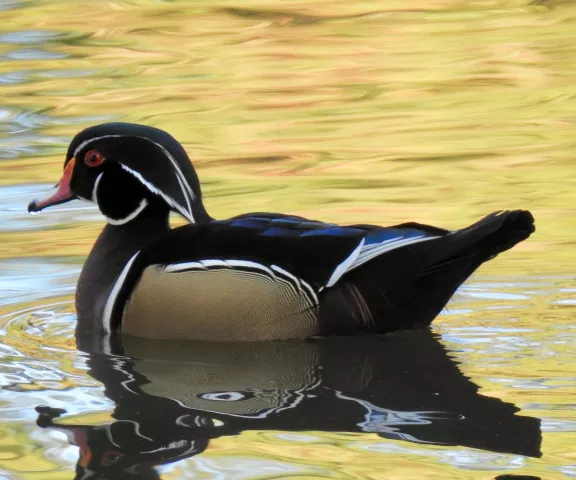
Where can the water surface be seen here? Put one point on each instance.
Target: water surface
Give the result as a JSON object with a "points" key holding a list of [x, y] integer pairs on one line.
{"points": [[369, 111]]}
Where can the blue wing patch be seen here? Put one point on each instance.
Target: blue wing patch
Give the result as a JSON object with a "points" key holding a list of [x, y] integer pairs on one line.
{"points": [[286, 222], [335, 232], [280, 232], [247, 223]]}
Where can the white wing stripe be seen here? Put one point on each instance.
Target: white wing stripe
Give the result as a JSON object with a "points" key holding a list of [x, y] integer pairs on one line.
{"points": [[372, 246], [345, 265], [380, 249], [386, 247]]}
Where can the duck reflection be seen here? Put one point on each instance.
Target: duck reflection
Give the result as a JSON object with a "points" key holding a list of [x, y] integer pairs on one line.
{"points": [[173, 398]]}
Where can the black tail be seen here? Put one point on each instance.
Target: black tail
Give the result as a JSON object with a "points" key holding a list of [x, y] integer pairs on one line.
{"points": [[497, 232], [408, 287]]}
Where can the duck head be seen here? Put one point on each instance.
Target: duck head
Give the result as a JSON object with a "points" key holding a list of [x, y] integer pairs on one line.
{"points": [[128, 169]]}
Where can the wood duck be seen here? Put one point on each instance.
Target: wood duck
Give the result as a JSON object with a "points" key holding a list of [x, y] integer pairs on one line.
{"points": [[257, 276]]}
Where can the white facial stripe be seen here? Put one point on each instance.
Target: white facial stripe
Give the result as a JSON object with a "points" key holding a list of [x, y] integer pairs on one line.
{"points": [[179, 173], [186, 189], [114, 294], [132, 216], [170, 201], [181, 183]]}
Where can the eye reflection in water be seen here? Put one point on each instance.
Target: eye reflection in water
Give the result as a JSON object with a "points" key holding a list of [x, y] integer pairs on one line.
{"points": [[172, 398]]}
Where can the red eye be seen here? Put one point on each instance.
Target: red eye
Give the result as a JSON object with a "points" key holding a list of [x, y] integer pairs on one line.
{"points": [[93, 158], [110, 458]]}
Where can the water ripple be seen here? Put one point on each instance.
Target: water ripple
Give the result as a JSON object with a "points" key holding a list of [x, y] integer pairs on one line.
{"points": [[25, 280], [14, 216], [32, 54], [29, 37]]}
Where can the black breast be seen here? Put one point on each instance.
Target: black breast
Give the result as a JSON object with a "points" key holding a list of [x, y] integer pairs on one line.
{"points": [[112, 250]]}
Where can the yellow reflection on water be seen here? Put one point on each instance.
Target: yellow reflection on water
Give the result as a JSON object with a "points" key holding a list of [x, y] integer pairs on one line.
{"points": [[437, 111]]}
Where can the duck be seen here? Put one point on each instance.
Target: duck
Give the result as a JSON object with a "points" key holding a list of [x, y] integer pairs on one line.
{"points": [[256, 276]]}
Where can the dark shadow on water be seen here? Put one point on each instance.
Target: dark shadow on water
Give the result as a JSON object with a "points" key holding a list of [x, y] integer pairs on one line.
{"points": [[517, 477], [173, 398]]}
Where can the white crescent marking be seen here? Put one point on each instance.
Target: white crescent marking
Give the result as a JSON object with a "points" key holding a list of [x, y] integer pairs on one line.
{"points": [[106, 318]]}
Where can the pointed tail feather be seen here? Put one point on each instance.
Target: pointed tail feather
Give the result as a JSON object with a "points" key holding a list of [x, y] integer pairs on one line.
{"points": [[408, 287], [492, 235], [512, 227]]}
